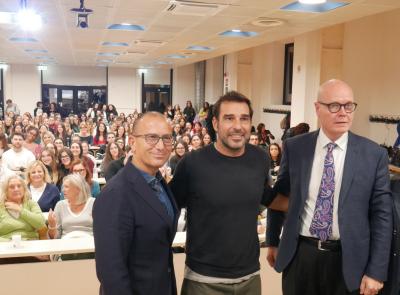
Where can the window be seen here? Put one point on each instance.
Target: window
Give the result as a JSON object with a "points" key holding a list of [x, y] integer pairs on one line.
{"points": [[288, 74]]}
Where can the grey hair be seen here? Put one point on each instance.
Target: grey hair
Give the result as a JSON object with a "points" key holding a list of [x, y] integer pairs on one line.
{"points": [[79, 182]]}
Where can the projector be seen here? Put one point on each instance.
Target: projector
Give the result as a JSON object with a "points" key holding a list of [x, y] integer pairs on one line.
{"points": [[82, 20], [82, 15]]}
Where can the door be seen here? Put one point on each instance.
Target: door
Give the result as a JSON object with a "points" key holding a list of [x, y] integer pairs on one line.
{"points": [[156, 98]]}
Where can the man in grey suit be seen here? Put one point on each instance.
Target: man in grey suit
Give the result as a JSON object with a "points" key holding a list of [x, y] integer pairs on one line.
{"points": [[337, 233]]}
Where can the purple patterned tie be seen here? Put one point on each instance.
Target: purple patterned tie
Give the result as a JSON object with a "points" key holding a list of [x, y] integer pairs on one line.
{"points": [[321, 225]]}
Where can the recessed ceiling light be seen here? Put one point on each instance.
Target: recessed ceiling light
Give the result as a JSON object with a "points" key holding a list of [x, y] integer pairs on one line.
{"points": [[177, 56], [312, 1], [199, 48], [36, 50], [161, 62], [23, 39], [314, 8], [115, 44], [108, 53], [126, 27], [232, 33], [44, 57], [104, 60]]}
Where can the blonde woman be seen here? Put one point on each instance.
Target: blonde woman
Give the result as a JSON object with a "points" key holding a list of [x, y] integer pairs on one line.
{"points": [[42, 190], [72, 216], [18, 213]]}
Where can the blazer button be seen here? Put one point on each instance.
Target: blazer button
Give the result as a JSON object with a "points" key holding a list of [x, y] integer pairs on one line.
{"points": [[169, 270]]}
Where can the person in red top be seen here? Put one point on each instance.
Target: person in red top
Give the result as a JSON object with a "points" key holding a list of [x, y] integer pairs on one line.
{"points": [[101, 135]]}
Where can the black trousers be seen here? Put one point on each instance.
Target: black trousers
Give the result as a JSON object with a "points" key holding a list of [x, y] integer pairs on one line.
{"points": [[314, 272]]}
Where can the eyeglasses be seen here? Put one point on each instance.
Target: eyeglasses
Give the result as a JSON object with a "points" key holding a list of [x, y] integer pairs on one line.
{"points": [[335, 107], [153, 139], [65, 157], [79, 170]]}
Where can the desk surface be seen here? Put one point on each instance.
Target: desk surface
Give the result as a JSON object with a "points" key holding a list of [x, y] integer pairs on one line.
{"points": [[62, 246], [66, 246]]}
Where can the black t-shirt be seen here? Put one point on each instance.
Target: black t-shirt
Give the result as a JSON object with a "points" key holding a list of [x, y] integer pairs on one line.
{"points": [[222, 195]]}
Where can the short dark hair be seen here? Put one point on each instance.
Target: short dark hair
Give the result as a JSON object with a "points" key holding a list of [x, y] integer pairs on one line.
{"points": [[231, 96], [17, 134]]}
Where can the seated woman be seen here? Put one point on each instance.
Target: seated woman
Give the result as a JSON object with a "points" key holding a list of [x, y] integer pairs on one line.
{"points": [[77, 152], [84, 133], [113, 152], [72, 217], [18, 213], [49, 159], [42, 190], [81, 168], [65, 158], [180, 149]]}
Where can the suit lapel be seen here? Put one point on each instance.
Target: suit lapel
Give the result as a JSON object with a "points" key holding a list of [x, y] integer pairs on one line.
{"points": [[348, 168], [307, 162], [146, 193]]}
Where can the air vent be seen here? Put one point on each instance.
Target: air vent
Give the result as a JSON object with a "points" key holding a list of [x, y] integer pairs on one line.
{"points": [[267, 22], [132, 52], [194, 8]]}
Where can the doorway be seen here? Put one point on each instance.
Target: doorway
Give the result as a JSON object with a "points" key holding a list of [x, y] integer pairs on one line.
{"points": [[156, 98]]}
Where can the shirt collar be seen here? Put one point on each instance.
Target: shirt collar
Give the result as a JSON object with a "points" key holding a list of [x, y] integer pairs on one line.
{"points": [[341, 142], [149, 178]]}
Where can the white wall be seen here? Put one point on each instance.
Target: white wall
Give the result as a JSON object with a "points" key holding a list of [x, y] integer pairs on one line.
{"points": [[306, 78], [183, 85], [76, 76], [157, 76], [371, 65], [124, 89], [267, 83], [22, 85]]}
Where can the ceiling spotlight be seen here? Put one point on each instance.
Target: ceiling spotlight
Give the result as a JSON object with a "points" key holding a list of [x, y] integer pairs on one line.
{"points": [[82, 15], [312, 1], [28, 19]]}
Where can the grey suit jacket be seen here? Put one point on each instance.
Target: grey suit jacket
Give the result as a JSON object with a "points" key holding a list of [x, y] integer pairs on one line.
{"points": [[365, 205]]}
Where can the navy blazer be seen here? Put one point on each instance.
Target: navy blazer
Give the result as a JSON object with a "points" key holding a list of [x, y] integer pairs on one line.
{"points": [[133, 235], [392, 286], [49, 198], [365, 205]]}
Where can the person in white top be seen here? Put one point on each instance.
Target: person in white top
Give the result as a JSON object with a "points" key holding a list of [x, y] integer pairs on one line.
{"points": [[74, 214], [17, 158]]}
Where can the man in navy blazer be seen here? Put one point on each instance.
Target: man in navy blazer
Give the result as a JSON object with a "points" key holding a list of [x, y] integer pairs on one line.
{"points": [[135, 218], [337, 233]]}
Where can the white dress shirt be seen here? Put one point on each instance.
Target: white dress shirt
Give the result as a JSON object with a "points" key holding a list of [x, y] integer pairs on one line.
{"points": [[339, 154]]}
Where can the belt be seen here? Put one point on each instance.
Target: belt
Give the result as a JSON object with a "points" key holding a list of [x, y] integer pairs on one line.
{"points": [[330, 245]]}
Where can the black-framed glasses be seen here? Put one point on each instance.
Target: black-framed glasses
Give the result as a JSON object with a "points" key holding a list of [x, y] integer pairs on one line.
{"points": [[153, 139], [335, 107]]}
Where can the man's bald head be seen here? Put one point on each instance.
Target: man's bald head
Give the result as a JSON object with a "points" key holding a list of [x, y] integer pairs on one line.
{"points": [[146, 117], [334, 88]]}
